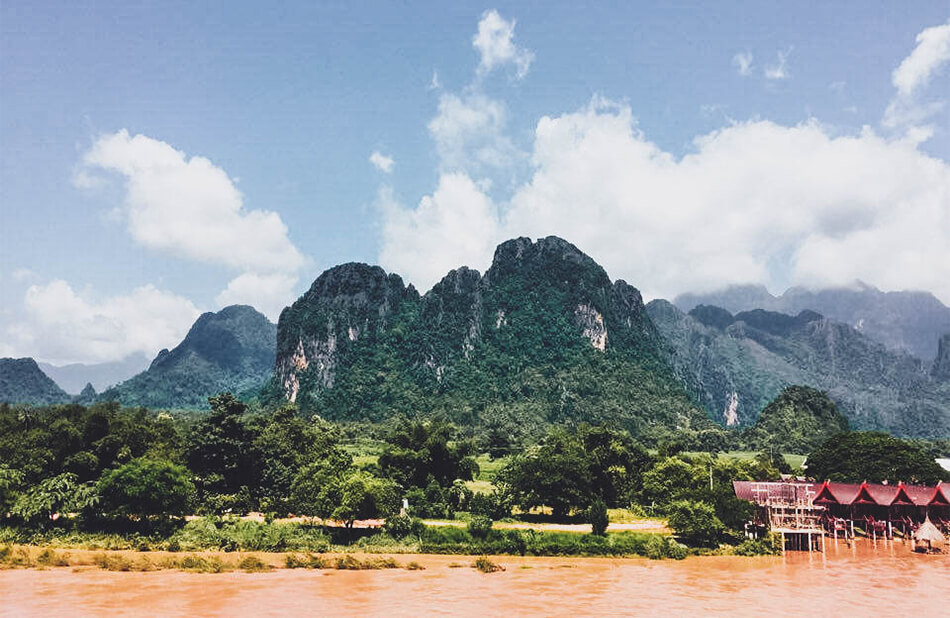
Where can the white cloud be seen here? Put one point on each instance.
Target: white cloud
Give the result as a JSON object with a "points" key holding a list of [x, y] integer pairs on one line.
{"points": [[907, 110], [743, 63], [469, 132], [456, 225], [382, 162], [63, 326], [435, 83], [778, 70], [23, 274], [755, 202], [268, 293], [932, 52], [495, 44], [190, 208]]}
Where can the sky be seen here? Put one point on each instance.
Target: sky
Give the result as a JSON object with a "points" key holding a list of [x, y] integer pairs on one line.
{"points": [[158, 160]]}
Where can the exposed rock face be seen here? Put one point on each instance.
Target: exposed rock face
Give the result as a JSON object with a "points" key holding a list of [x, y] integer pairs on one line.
{"points": [[941, 367], [730, 414], [592, 326], [344, 306]]}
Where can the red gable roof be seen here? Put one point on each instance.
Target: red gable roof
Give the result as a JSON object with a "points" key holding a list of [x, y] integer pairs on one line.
{"points": [[902, 497], [941, 495], [836, 493], [829, 493]]}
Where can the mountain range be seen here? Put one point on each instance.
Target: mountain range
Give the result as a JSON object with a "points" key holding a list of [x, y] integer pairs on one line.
{"points": [[737, 364], [544, 335], [910, 322]]}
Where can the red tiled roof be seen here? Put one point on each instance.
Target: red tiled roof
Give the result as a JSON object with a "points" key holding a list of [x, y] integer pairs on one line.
{"points": [[920, 496], [849, 493]]}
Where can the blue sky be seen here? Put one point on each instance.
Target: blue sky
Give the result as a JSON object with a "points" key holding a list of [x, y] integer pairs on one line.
{"points": [[161, 159]]}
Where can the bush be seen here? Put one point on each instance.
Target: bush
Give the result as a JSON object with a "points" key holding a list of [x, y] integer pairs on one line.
{"points": [[232, 534], [769, 545], [597, 516], [401, 526], [253, 564], [145, 488], [479, 526], [495, 505], [695, 521], [485, 565]]}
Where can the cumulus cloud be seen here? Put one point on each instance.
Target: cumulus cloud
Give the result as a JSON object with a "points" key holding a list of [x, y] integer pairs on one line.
{"points": [[907, 110], [190, 208], [458, 225], [382, 162], [63, 326], [778, 70], [469, 131], [268, 293], [932, 52], [743, 63], [496, 47], [754, 202]]}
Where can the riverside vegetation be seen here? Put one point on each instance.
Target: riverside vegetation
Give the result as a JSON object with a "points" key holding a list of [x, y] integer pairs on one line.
{"points": [[106, 478]]}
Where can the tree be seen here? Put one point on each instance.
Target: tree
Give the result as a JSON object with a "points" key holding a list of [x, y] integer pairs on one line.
{"points": [[418, 449], [10, 481], [56, 495], [874, 457], [695, 521], [145, 488], [345, 495], [554, 473], [219, 450]]}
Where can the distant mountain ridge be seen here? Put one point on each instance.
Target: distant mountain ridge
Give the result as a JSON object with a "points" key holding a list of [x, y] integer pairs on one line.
{"points": [[74, 377], [231, 350], [903, 321], [737, 364], [22, 381]]}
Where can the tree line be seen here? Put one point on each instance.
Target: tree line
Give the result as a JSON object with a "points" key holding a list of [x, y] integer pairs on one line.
{"points": [[114, 468]]}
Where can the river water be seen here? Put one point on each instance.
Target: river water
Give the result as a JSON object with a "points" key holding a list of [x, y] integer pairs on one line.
{"points": [[844, 581]]}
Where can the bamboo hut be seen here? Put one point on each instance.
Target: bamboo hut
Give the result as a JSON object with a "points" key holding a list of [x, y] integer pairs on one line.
{"points": [[926, 537]]}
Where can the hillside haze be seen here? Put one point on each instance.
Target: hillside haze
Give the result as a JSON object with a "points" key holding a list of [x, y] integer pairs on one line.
{"points": [[910, 322], [543, 336]]}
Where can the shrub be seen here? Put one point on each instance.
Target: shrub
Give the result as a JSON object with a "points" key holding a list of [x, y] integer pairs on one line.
{"points": [[695, 521], [485, 565], [769, 545], [145, 488], [597, 516], [479, 526], [253, 564], [402, 525], [309, 561]]}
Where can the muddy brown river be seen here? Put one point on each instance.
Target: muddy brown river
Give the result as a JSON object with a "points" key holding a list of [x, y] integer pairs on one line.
{"points": [[843, 582]]}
